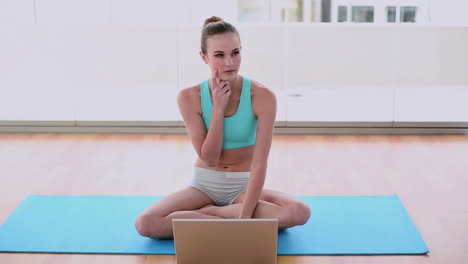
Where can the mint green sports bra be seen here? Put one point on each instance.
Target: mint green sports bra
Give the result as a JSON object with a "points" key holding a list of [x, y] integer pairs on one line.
{"points": [[240, 130]]}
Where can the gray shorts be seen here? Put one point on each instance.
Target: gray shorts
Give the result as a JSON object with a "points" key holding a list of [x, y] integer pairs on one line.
{"points": [[223, 187]]}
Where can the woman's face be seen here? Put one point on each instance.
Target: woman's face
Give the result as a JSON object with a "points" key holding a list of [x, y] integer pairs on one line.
{"points": [[223, 54]]}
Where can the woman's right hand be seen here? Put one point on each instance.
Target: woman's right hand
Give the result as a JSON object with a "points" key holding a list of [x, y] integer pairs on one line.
{"points": [[220, 92]]}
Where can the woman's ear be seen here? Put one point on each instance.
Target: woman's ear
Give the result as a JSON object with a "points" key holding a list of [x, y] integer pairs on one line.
{"points": [[204, 57]]}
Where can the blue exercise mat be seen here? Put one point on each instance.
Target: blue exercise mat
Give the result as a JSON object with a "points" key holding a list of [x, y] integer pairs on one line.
{"points": [[105, 225]]}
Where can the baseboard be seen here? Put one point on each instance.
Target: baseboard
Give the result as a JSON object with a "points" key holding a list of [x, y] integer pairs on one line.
{"points": [[281, 127]]}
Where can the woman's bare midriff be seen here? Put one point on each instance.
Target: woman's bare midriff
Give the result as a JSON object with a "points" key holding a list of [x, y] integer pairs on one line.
{"points": [[231, 160]]}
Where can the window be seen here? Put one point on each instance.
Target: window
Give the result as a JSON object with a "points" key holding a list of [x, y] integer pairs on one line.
{"points": [[408, 14], [253, 10], [292, 11], [342, 13], [326, 8], [391, 14], [313, 11], [357, 11], [362, 14]]}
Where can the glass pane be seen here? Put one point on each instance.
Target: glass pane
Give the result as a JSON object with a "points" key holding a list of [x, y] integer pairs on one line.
{"points": [[292, 10], [363, 14], [326, 7], [342, 13], [391, 14], [253, 10], [313, 11], [298, 13], [408, 14]]}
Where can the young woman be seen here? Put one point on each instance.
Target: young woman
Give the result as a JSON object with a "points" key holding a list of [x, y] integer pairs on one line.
{"points": [[230, 121]]}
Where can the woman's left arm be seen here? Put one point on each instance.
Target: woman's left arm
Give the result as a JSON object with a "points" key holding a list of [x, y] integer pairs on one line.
{"points": [[264, 108]]}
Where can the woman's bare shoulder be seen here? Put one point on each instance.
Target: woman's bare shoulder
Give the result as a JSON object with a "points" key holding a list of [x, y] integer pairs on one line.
{"points": [[190, 92], [261, 91], [263, 100], [189, 97]]}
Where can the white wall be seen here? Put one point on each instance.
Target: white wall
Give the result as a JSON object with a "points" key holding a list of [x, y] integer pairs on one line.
{"points": [[129, 42], [57, 53], [306, 55], [115, 12], [449, 12]]}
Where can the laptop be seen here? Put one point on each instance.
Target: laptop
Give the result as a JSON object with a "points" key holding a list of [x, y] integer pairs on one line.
{"points": [[225, 241]]}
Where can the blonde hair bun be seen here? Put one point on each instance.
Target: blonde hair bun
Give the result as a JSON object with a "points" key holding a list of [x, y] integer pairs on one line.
{"points": [[212, 19]]}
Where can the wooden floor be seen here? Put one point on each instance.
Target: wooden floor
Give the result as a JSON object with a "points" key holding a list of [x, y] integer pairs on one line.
{"points": [[429, 174]]}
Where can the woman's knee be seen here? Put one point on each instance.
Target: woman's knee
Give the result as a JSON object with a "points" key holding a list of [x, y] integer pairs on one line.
{"points": [[151, 226], [299, 213]]}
